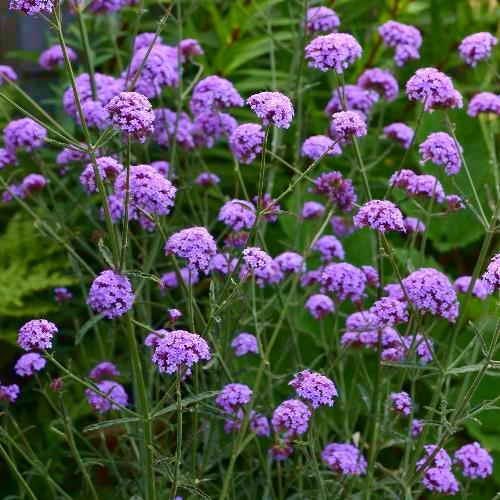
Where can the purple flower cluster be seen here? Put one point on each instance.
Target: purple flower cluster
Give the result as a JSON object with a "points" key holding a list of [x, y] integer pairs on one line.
{"points": [[214, 93], [7, 157], [233, 396], [389, 311], [290, 262], [418, 185], [414, 225], [329, 247], [196, 245], [321, 19], [438, 476], [442, 149], [347, 124], [32, 7], [319, 305], [405, 39], [344, 281], [491, 277], [273, 108], [314, 388], [245, 343], [111, 294], [62, 294], [36, 334], [9, 393], [291, 418], [108, 169], [356, 99], [381, 81], [484, 102], [7, 72], [53, 57], [113, 390], [381, 215], [480, 290], [207, 179], [168, 126], [477, 47], [399, 132], [371, 274], [170, 280], [28, 364], [401, 402], [103, 371], [223, 263], [180, 350], [246, 142], [345, 459], [189, 47], [339, 191], [474, 461], [237, 214], [256, 259], [335, 51], [24, 134], [312, 210], [318, 145]]}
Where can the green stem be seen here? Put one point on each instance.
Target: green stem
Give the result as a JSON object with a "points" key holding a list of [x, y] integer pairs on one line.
{"points": [[178, 447], [123, 251], [89, 58], [20, 479]]}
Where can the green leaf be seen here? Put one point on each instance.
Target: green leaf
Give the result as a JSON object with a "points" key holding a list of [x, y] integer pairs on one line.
{"points": [[105, 253], [140, 274], [187, 402], [110, 423]]}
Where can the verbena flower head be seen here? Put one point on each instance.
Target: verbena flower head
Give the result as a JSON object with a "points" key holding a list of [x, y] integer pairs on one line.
{"points": [[28, 364], [356, 99], [245, 343], [291, 418], [11, 191], [399, 132], [269, 205], [431, 292], [145, 39], [389, 311], [7, 157], [149, 190], [371, 274], [237, 214], [401, 402], [442, 460], [96, 115], [477, 47], [196, 245], [104, 370], [256, 259], [339, 191], [345, 459], [424, 347], [435, 89], [111, 294], [438, 477], [474, 461], [70, 155], [9, 393], [480, 290], [380, 80], [7, 72], [317, 145], [344, 281], [414, 225], [223, 263], [32, 7], [441, 149], [394, 34], [273, 108], [189, 47], [214, 93], [170, 280], [53, 57], [132, 113], [312, 210], [280, 451], [290, 262], [207, 179], [107, 6], [491, 277], [405, 53], [113, 390], [484, 102], [210, 126], [329, 247], [259, 424], [36, 334], [173, 315], [179, 350], [342, 226], [321, 19], [314, 388], [418, 185], [24, 134], [347, 124], [246, 142], [32, 183], [319, 305], [233, 396], [417, 426], [335, 51], [108, 169], [162, 167], [168, 126], [62, 294], [381, 215]]}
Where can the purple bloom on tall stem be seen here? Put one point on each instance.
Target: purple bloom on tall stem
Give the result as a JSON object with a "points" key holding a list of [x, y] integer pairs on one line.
{"points": [[111, 294], [32, 7], [113, 390], [344, 281], [24, 134], [321, 19], [53, 57], [389, 311], [381, 215], [438, 476], [33, 183], [312, 210], [417, 426], [168, 126], [401, 402], [372, 276], [246, 142], [291, 418], [491, 277], [62, 294], [404, 38], [245, 343], [355, 97], [441, 149], [339, 191], [347, 124], [477, 47], [104, 370], [335, 51], [7, 157], [170, 279], [7, 72], [273, 108], [345, 459], [480, 290], [290, 262], [380, 80], [474, 461], [314, 388], [145, 39], [319, 305], [36, 334], [207, 179], [329, 247], [9, 393], [233, 396], [414, 225], [189, 48], [108, 169], [256, 259], [214, 93], [317, 145], [399, 132], [28, 364], [484, 102], [237, 214], [223, 263]]}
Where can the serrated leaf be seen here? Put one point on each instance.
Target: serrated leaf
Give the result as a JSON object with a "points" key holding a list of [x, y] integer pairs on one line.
{"points": [[110, 423], [140, 274], [105, 253]]}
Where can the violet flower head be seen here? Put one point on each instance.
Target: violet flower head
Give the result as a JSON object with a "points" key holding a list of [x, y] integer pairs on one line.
{"points": [[24, 134], [170, 280], [290, 262], [312, 210], [484, 102], [113, 390], [270, 275], [168, 126], [314, 388], [347, 124], [70, 155], [145, 39], [210, 126], [477, 47], [381, 81], [96, 115], [273, 108], [389, 311], [441, 149], [33, 183], [245, 343], [259, 424], [480, 290], [196, 245], [28, 364], [319, 305], [329, 247], [435, 89], [256, 259], [53, 57], [426, 185], [107, 6], [132, 113], [233, 396], [291, 417], [180, 349], [108, 169], [237, 239], [111, 294], [335, 51], [162, 167], [442, 460], [237, 214], [269, 206], [32, 7], [404, 38], [7, 72], [223, 263], [9, 393], [381, 215], [13, 190], [430, 291], [62, 294], [7, 157], [491, 277], [149, 190], [356, 99], [342, 226], [318, 145], [207, 179], [438, 477], [321, 20], [474, 461], [414, 225], [246, 142], [189, 47], [339, 191], [344, 281], [401, 402], [417, 426], [345, 459], [214, 93], [399, 132], [371, 274], [104, 370], [424, 347], [280, 451], [173, 315], [36, 334]]}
